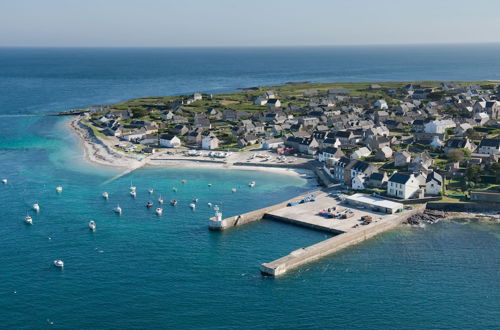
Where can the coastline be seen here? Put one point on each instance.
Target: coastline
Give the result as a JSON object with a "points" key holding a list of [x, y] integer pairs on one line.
{"points": [[99, 152]]}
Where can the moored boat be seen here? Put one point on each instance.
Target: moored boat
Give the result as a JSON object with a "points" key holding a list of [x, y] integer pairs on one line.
{"points": [[150, 191], [92, 225], [192, 206], [160, 200], [59, 263], [36, 207], [28, 220], [4, 181], [173, 202], [118, 209], [133, 193], [149, 204], [233, 190], [105, 195], [159, 211], [195, 200], [251, 184], [59, 189]]}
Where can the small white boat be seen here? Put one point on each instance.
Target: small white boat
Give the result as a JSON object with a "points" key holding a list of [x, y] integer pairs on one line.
{"points": [[174, 189], [92, 225], [160, 200], [216, 208], [233, 190], [251, 184], [36, 207], [192, 206], [173, 202], [149, 204], [209, 184], [59, 189], [4, 181], [209, 204], [159, 211], [59, 263], [195, 200], [28, 220], [105, 195], [133, 193], [118, 209], [132, 188], [183, 181], [150, 191]]}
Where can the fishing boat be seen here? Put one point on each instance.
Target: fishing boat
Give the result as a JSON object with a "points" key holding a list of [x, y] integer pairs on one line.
{"points": [[150, 191], [149, 204], [4, 181], [133, 193], [251, 184], [160, 200], [59, 263], [159, 211], [192, 206], [28, 220], [59, 189], [36, 207], [105, 195], [118, 209], [173, 202], [233, 190], [92, 225]]}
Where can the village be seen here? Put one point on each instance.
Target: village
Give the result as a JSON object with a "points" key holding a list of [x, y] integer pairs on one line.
{"points": [[423, 141]]}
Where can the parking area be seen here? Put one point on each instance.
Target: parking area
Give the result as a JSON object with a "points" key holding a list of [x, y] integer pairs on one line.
{"points": [[345, 216]]}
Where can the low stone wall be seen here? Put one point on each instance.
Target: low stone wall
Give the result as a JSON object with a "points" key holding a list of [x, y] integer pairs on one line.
{"points": [[412, 201], [314, 252], [300, 166], [252, 216], [464, 207]]}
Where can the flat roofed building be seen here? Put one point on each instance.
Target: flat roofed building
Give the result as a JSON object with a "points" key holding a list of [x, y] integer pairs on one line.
{"points": [[374, 203]]}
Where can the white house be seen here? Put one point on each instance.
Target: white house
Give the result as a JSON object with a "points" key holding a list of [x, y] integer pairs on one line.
{"points": [[436, 142], [489, 147], [438, 126], [381, 104], [272, 144], [403, 186], [361, 152], [433, 184], [358, 182], [210, 142], [169, 141], [197, 97]]}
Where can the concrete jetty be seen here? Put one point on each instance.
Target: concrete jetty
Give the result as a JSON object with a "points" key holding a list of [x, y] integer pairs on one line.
{"points": [[252, 216], [314, 252], [348, 230]]}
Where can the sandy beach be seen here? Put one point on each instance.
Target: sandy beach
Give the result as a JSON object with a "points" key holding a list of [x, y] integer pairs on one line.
{"points": [[100, 151]]}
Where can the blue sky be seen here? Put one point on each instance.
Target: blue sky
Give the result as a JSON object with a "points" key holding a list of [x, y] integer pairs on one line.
{"points": [[164, 23]]}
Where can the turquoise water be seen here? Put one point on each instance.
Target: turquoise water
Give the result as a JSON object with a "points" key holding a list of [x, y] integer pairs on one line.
{"points": [[140, 271]]}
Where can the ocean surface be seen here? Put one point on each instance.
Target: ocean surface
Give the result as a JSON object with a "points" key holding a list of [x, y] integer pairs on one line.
{"points": [[140, 271]]}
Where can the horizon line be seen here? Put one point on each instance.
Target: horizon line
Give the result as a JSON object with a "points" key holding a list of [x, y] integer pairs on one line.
{"points": [[266, 46]]}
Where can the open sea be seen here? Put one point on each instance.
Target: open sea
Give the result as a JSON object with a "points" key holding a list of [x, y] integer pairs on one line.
{"points": [[140, 271]]}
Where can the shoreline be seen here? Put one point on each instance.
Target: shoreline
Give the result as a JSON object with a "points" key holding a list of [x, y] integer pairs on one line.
{"points": [[98, 152]]}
